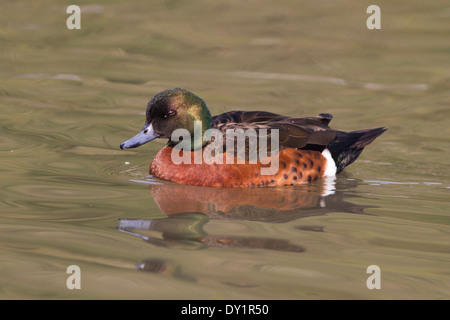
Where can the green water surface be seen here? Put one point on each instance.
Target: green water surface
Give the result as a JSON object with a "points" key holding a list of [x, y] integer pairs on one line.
{"points": [[70, 196]]}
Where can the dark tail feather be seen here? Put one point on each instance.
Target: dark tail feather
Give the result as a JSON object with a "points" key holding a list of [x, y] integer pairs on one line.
{"points": [[347, 146]]}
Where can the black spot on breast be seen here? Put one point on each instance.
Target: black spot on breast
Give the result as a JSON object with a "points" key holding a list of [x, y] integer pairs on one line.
{"points": [[297, 162], [299, 154], [304, 165], [309, 178], [293, 169], [311, 163], [295, 178], [300, 175], [319, 168], [283, 164], [285, 176]]}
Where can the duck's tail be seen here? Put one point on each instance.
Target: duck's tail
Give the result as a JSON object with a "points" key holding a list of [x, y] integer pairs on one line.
{"points": [[347, 146]]}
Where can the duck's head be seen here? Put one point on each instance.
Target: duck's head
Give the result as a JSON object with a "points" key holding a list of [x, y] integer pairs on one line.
{"points": [[170, 110]]}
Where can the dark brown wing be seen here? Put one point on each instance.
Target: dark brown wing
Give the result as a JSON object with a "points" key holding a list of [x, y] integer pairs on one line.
{"points": [[300, 132], [243, 117], [293, 132]]}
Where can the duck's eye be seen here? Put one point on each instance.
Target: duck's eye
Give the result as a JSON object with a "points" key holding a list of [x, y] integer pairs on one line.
{"points": [[170, 113]]}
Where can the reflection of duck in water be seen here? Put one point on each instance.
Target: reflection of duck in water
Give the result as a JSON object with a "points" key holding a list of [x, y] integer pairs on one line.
{"points": [[262, 204], [189, 208], [268, 204], [306, 148], [185, 230]]}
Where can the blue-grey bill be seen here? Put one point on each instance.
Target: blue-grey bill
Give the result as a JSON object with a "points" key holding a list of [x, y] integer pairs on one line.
{"points": [[145, 135]]}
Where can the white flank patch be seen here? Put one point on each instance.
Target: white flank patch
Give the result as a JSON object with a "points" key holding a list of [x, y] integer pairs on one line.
{"points": [[330, 169]]}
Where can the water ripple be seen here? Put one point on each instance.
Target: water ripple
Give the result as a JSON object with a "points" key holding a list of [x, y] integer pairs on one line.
{"points": [[71, 77], [326, 79]]}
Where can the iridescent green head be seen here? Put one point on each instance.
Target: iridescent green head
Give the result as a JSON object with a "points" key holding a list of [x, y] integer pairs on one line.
{"points": [[170, 110]]}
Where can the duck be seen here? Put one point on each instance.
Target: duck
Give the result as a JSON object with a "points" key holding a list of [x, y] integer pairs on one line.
{"points": [[276, 150]]}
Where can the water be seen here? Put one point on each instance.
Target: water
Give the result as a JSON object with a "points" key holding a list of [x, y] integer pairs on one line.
{"points": [[70, 196]]}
